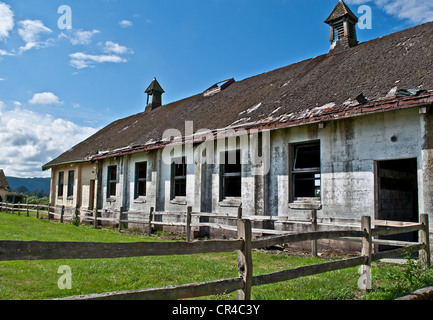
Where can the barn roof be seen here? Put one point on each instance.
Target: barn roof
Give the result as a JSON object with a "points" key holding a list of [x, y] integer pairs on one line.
{"points": [[378, 72], [3, 181]]}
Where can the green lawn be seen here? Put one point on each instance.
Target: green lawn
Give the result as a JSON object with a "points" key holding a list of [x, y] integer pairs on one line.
{"points": [[35, 280]]}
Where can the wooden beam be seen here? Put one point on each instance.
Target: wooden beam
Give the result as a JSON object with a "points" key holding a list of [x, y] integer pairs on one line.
{"points": [[245, 260], [170, 292], [35, 250]]}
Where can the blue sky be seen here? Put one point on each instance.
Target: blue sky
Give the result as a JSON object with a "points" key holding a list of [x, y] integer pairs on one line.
{"points": [[58, 86]]}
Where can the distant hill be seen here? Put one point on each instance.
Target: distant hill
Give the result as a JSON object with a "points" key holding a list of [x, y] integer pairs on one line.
{"points": [[42, 184]]}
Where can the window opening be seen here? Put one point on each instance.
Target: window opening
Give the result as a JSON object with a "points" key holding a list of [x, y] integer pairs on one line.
{"points": [[112, 181], [140, 179], [231, 174], [61, 184], [306, 171], [70, 183], [178, 180]]}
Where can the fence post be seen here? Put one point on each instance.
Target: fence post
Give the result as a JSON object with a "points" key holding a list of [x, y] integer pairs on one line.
{"points": [[367, 247], [76, 214], [62, 212], [120, 218], [149, 230], [188, 224], [27, 207], [245, 262], [240, 212], [37, 211], [424, 255], [95, 218], [314, 227]]}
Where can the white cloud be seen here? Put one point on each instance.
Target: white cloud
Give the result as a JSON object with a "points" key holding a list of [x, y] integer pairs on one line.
{"points": [[29, 140], [112, 47], [82, 36], [45, 98], [126, 24], [30, 31], [113, 53], [6, 20], [416, 11], [81, 60]]}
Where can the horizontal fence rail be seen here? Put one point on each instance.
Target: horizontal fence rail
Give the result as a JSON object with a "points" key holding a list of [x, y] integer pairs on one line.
{"points": [[34, 250], [244, 245]]}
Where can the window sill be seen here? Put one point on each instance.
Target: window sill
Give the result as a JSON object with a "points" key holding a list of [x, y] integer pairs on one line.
{"points": [[179, 201], [306, 204], [231, 202], [140, 200]]}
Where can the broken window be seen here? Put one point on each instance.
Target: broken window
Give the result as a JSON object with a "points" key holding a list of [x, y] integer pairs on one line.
{"points": [[306, 171], [61, 184], [231, 174], [71, 183], [140, 179], [111, 181], [178, 177]]}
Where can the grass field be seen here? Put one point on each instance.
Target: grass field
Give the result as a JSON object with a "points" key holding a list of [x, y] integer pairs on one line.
{"points": [[36, 280]]}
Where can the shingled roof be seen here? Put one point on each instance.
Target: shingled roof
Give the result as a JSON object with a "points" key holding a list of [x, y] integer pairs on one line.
{"points": [[314, 90], [3, 181], [341, 10]]}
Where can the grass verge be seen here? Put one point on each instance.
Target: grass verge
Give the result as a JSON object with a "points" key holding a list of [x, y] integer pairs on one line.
{"points": [[36, 280]]}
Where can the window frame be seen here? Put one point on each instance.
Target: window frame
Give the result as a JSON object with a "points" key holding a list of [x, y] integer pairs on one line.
{"points": [[111, 183], [178, 180], [71, 184], [226, 175], [298, 173], [60, 184], [139, 180]]}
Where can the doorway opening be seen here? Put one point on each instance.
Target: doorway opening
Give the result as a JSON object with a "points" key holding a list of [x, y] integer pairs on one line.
{"points": [[397, 195]]}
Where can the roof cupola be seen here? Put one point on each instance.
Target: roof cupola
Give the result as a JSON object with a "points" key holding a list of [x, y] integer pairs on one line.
{"points": [[343, 27], [155, 90]]}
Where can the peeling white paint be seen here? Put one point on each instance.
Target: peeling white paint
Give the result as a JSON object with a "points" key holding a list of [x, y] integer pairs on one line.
{"points": [[252, 109]]}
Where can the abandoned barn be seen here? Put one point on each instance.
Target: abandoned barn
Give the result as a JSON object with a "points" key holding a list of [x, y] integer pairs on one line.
{"points": [[348, 133]]}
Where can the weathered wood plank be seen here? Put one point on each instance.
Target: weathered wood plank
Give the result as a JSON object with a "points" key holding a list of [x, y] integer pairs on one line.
{"points": [[299, 237], [35, 250], [425, 255], [395, 230], [396, 252], [307, 271], [396, 224], [171, 292], [245, 259]]}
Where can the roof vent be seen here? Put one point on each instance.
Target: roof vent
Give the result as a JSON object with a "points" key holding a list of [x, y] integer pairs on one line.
{"points": [[343, 28], [155, 90], [218, 87]]}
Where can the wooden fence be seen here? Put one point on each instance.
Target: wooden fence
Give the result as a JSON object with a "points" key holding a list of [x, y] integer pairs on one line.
{"points": [[244, 245]]}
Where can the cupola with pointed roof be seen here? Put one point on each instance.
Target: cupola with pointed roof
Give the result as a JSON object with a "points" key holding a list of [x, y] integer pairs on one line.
{"points": [[343, 27], [155, 91]]}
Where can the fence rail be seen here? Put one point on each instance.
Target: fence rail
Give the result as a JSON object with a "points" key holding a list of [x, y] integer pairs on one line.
{"points": [[244, 245]]}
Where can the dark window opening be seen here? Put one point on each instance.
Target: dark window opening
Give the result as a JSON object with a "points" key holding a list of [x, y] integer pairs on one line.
{"points": [[306, 171], [140, 179], [71, 183], [231, 174], [178, 179], [61, 184], [112, 181]]}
